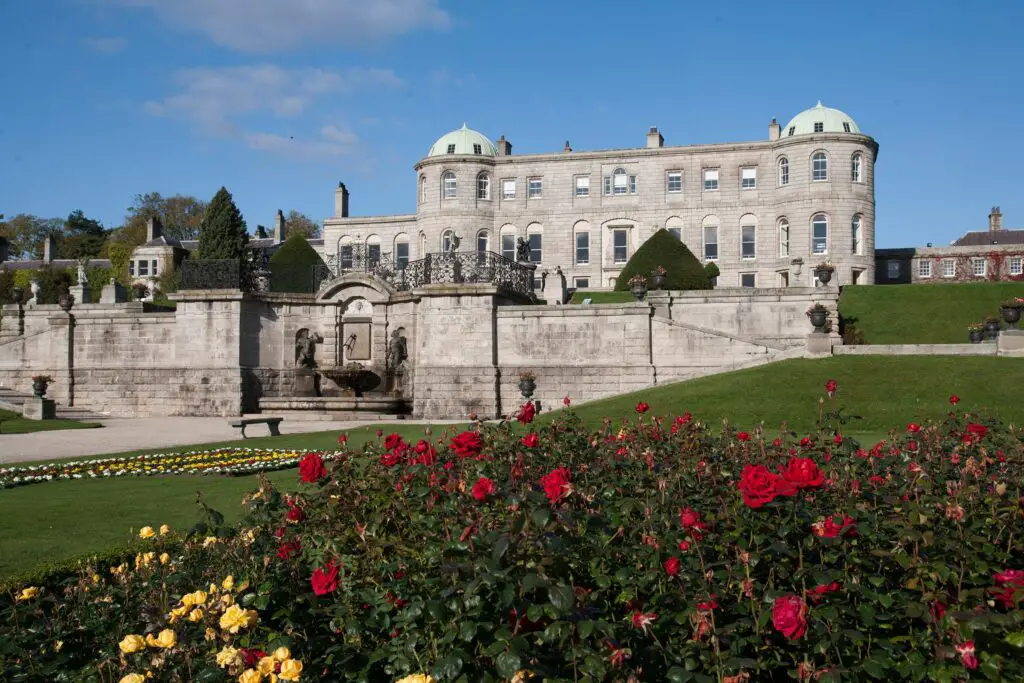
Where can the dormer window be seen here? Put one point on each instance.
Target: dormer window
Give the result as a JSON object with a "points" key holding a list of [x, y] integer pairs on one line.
{"points": [[476, 149], [451, 149], [792, 129], [819, 127], [846, 126]]}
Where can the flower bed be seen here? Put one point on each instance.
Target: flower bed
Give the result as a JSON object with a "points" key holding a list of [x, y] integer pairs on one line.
{"points": [[650, 550], [226, 461]]}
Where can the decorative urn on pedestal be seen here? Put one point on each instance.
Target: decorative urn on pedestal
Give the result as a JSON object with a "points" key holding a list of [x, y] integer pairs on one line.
{"points": [[40, 384], [819, 317], [976, 333], [823, 271], [991, 327], [657, 279], [527, 384], [66, 301], [1011, 311], [638, 287]]}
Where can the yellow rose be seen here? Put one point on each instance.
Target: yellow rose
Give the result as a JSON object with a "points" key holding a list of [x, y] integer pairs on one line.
{"points": [[291, 669], [522, 676], [165, 639], [146, 532], [282, 653], [227, 599], [196, 598], [148, 558], [250, 676], [132, 643], [96, 578], [235, 618], [196, 615], [417, 678], [266, 665], [133, 678], [209, 540], [228, 583], [210, 634], [179, 612], [28, 593], [164, 558], [229, 656], [165, 529]]}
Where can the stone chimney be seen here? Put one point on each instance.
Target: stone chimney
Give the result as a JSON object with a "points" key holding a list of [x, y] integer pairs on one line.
{"points": [[567, 148], [341, 201], [261, 232], [995, 220], [654, 138], [279, 227], [154, 228], [504, 147], [774, 130], [49, 248], [4, 249]]}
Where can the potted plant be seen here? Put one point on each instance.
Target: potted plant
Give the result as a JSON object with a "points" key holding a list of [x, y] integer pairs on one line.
{"points": [[39, 384], [976, 332], [823, 271], [819, 316], [657, 280], [638, 286], [1011, 311], [66, 300], [140, 290], [991, 327], [527, 384]]}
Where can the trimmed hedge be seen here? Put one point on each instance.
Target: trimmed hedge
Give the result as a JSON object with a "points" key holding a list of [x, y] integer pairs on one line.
{"points": [[291, 267], [682, 269]]}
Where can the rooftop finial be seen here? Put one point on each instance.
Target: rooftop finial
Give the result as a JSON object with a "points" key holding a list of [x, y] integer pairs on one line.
{"points": [[820, 104]]}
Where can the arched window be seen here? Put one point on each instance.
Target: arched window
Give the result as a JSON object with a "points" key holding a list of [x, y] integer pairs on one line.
{"points": [[508, 241], [446, 240], [401, 251], [423, 188], [857, 234], [581, 241], [620, 181], [819, 234], [709, 233], [345, 252], [372, 250], [783, 171], [535, 238], [783, 237], [483, 242], [483, 186], [448, 185], [819, 166], [748, 236], [855, 168]]}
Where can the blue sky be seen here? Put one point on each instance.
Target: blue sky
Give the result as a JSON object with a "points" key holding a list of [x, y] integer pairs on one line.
{"points": [[278, 101]]}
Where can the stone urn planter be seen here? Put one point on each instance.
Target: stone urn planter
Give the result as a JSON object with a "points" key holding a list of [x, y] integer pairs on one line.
{"points": [[657, 282], [824, 275], [638, 287], [66, 301], [818, 316], [976, 336], [40, 384], [1011, 314], [527, 385], [991, 328]]}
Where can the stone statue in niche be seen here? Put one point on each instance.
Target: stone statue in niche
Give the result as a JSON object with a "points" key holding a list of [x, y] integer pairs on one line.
{"points": [[522, 250], [82, 277], [305, 348], [398, 350]]}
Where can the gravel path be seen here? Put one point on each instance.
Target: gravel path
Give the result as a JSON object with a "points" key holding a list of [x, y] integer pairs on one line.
{"points": [[129, 434]]}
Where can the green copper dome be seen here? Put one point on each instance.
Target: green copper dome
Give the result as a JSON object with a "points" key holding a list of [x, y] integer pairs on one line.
{"points": [[820, 119], [463, 141]]}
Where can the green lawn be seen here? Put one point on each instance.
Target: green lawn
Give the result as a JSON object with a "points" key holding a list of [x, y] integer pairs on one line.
{"points": [[13, 423], [602, 297], [922, 314], [55, 521]]}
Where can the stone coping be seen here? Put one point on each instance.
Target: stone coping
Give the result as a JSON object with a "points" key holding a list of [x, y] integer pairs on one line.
{"points": [[777, 293], [983, 349], [515, 311]]}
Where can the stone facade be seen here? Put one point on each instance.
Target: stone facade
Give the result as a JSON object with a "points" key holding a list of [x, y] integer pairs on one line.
{"points": [[631, 193]]}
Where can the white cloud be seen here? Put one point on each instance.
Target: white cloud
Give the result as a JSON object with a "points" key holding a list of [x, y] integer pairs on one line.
{"points": [[108, 46], [218, 101], [277, 25]]}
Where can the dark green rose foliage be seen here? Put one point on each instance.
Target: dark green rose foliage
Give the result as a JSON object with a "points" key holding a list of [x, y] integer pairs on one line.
{"points": [[292, 266], [682, 269], [222, 233], [627, 553]]}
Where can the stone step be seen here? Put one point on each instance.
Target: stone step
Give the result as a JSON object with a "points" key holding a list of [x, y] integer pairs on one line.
{"points": [[14, 400]]}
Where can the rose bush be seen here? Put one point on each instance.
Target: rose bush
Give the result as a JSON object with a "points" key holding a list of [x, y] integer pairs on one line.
{"points": [[653, 549]]}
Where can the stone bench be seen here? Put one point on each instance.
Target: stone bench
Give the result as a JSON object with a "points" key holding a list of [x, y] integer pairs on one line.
{"points": [[271, 422]]}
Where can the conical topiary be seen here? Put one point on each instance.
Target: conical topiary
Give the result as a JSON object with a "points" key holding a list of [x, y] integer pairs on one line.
{"points": [[291, 266], [222, 233], [682, 269]]}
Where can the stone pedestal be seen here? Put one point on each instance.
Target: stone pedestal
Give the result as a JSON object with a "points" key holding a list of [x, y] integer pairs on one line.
{"points": [[113, 293], [819, 343], [1010, 342], [37, 408], [82, 294], [305, 382]]}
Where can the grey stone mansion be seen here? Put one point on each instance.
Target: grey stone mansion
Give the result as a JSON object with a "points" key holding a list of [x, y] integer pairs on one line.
{"points": [[765, 211]]}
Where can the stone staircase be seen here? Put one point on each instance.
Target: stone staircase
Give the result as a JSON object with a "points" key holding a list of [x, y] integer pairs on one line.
{"points": [[14, 400]]}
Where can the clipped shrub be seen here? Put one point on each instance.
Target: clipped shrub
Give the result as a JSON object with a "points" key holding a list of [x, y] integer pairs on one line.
{"points": [[6, 286], [291, 266], [52, 283], [711, 272], [682, 269]]}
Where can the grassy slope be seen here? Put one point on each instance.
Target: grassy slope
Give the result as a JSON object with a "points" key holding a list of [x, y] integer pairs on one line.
{"points": [[602, 297], [54, 521], [13, 423], [923, 314]]}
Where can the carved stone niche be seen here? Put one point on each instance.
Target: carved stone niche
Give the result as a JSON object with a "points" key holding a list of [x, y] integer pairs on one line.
{"points": [[357, 331]]}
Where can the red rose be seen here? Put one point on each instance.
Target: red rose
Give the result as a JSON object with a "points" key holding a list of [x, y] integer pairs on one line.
{"points": [[913, 428], [977, 430], [467, 444], [789, 616], [425, 453], [743, 436], [1010, 576], [672, 566], [684, 545], [642, 407], [830, 529], [566, 402], [759, 486], [707, 605], [287, 550], [252, 656], [527, 413], [954, 399], [642, 620], [803, 473], [818, 593], [343, 439], [531, 440], [831, 386], [325, 579], [311, 468], [295, 513], [838, 440], [690, 518], [380, 433], [393, 442], [555, 483], [483, 488], [966, 652]]}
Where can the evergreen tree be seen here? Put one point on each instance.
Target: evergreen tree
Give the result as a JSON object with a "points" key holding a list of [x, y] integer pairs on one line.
{"points": [[292, 266], [222, 233]]}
